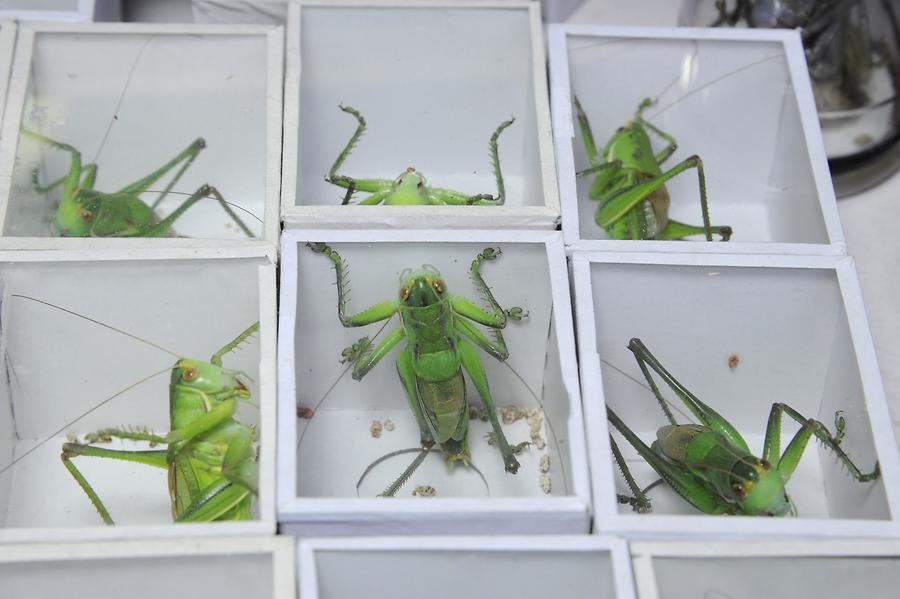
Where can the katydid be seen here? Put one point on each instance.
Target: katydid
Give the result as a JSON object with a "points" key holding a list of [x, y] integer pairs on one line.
{"points": [[630, 185], [710, 465], [210, 455], [410, 188], [440, 333], [85, 212]]}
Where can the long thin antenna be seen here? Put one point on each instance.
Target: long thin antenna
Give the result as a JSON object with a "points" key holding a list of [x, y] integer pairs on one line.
{"points": [[207, 197], [80, 416], [97, 322], [713, 82], [121, 98]]}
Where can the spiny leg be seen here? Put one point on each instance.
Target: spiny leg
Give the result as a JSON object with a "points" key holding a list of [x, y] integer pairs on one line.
{"points": [[155, 458], [217, 501], [395, 486], [703, 412], [587, 137], [475, 370], [788, 461], [638, 499], [369, 356], [375, 313], [671, 144], [72, 178], [679, 230], [495, 164], [351, 184], [625, 200], [230, 346]]}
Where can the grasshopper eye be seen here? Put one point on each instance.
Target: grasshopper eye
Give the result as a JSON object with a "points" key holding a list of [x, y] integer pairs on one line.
{"points": [[404, 293], [739, 490], [765, 465], [421, 184], [86, 216], [189, 374], [439, 285]]}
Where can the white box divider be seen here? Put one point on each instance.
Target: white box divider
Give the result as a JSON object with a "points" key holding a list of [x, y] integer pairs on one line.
{"points": [[62, 10], [741, 333], [7, 49], [777, 570], [131, 97], [67, 376], [227, 568], [739, 99], [433, 85], [451, 567], [321, 458]]}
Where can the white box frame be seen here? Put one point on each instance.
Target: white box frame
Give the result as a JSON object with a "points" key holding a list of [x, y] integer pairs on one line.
{"points": [[265, 523], [509, 216], [280, 550], [604, 475], [327, 516], [644, 553], [8, 33], [86, 11], [13, 115], [623, 585], [566, 135]]}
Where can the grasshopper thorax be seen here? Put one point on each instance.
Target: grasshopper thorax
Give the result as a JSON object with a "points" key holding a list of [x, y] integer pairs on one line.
{"points": [[423, 288], [759, 488]]}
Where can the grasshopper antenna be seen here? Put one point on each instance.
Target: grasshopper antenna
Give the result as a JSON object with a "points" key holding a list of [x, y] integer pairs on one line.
{"points": [[672, 405], [231, 204], [97, 322], [121, 98], [80, 416], [403, 478]]}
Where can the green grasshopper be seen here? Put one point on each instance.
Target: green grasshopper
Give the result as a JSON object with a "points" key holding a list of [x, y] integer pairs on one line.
{"points": [[710, 465], [630, 185], [410, 188], [86, 212], [212, 465], [438, 327]]}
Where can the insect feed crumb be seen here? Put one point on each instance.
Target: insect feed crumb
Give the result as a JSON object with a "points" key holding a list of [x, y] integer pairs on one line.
{"points": [[389, 425], [424, 491], [375, 429]]}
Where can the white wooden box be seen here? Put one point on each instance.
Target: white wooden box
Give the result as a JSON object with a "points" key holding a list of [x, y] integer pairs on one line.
{"points": [[61, 10], [433, 85], [782, 570], [741, 332], [229, 568], [131, 97], [321, 459], [449, 567], [66, 375], [740, 99]]}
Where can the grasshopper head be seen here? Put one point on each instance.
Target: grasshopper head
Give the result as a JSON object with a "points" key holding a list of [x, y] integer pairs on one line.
{"points": [[759, 489], [75, 217], [422, 288], [411, 181], [208, 378]]}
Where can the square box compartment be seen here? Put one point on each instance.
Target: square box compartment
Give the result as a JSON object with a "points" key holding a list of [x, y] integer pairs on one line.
{"points": [[321, 458], [230, 568], [65, 376], [782, 570], [739, 99], [130, 98], [61, 10], [433, 85], [449, 567], [741, 333]]}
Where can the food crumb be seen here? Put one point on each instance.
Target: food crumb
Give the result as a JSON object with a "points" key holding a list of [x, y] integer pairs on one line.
{"points": [[305, 412], [733, 361], [544, 463], [388, 425], [546, 485], [424, 491], [375, 429]]}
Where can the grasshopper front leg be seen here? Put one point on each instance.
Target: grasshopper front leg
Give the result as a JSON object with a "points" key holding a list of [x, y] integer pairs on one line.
{"points": [[349, 183]]}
